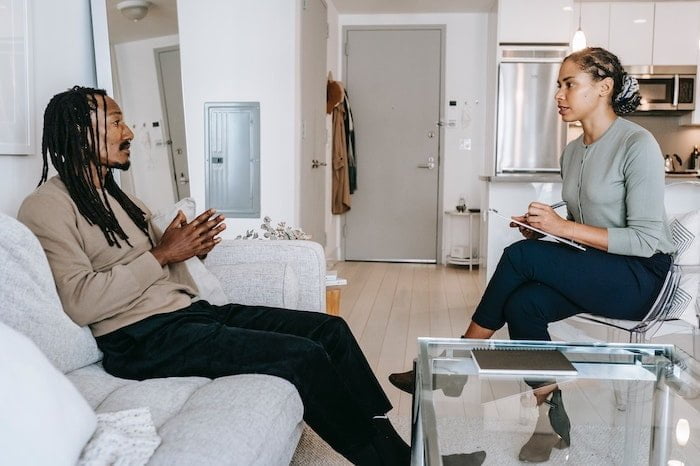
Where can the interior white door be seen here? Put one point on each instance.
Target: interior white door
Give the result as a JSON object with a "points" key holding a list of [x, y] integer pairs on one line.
{"points": [[170, 81], [393, 79], [312, 189]]}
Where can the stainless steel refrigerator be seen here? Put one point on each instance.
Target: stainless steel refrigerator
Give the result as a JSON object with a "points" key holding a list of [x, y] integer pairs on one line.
{"points": [[530, 133]]}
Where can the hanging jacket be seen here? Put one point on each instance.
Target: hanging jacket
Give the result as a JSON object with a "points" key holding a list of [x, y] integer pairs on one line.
{"points": [[340, 182], [351, 148]]}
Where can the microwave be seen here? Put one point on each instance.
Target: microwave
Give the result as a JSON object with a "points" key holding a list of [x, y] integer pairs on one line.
{"points": [[665, 88]]}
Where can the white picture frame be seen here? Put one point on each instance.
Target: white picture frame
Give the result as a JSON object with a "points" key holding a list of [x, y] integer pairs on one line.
{"points": [[16, 79]]}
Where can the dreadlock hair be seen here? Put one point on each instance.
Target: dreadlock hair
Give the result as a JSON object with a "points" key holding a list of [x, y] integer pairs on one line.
{"points": [[601, 64], [71, 141]]}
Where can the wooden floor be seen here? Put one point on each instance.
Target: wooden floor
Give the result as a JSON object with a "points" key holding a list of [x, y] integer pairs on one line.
{"points": [[389, 305]]}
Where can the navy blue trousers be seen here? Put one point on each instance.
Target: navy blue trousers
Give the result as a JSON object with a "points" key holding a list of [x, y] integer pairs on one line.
{"points": [[316, 352], [538, 282]]}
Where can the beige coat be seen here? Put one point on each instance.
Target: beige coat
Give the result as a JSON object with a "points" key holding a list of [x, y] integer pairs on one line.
{"points": [[341, 179]]}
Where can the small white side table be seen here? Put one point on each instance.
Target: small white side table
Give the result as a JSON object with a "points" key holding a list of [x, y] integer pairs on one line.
{"points": [[472, 260]]}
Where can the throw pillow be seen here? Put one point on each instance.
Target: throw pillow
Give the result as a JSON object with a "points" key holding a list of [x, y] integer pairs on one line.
{"points": [[30, 303], [208, 285], [685, 229], [43, 419], [686, 300]]}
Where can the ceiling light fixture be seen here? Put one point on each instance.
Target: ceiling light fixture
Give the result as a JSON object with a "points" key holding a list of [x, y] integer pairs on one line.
{"points": [[579, 40], [134, 10]]}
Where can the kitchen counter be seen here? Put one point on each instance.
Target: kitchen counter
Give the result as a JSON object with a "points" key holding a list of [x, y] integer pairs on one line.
{"points": [[681, 176], [523, 178]]}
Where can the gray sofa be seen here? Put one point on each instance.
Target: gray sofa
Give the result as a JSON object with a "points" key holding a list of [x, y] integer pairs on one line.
{"points": [[243, 419]]}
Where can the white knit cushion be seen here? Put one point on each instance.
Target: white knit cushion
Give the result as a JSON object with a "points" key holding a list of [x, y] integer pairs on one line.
{"points": [[208, 285], [30, 303], [43, 418], [686, 237], [686, 300]]}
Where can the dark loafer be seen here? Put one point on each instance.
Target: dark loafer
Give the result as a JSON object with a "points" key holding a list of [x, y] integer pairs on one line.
{"points": [[404, 381]]}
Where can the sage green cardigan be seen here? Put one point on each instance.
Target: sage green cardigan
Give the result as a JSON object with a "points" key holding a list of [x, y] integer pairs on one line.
{"points": [[617, 182]]}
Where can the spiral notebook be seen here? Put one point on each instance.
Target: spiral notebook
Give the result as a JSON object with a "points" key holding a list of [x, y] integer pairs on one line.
{"points": [[522, 361]]}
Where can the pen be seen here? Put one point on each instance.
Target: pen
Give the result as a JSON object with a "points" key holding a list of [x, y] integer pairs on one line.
{"points": [[556, 205]]}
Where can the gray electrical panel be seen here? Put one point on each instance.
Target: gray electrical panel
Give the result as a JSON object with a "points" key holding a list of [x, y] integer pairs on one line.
{"points": [[232, 148]]}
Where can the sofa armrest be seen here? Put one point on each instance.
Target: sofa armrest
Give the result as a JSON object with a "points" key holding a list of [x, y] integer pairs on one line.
{"points": [[306, 259]]}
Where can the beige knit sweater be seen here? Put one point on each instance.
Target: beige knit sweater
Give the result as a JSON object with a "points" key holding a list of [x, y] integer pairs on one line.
{"points": [[101, 286]]}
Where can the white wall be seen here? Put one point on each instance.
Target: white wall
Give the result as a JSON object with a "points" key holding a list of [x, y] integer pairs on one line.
{"points": [[464, 81], [63, 57], [139, 98], [333, 222], [239, 50]]}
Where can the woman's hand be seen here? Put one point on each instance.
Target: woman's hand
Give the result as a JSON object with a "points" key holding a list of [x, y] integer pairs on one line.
{"points": [[182, 240], [526, 232], [543, 217]]}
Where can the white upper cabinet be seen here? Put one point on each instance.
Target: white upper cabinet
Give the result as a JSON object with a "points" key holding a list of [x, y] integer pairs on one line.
{"points": [[535, 21], [676, 33], [595, 23], [632, 31]]}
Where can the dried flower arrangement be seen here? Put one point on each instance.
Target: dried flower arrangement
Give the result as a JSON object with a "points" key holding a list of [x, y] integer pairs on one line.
{"points": [[281, 231]]}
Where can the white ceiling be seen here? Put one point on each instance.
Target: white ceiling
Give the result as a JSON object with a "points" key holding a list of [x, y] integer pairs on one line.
{"points": [[412, 6], [429, 6], [161, 20], [162, 16]]}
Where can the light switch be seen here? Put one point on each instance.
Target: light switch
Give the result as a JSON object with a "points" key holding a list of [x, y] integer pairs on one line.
{"points": [[465, 144]]}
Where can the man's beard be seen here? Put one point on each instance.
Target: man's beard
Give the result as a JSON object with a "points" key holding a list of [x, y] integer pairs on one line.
{"points": [[121, 166]]}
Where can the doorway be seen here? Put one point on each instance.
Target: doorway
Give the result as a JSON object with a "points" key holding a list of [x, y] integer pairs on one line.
{"points": [[170, 85], [394, 81]]}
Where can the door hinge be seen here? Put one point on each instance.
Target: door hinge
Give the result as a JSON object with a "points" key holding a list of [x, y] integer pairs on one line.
{"points": [[328, 31], [304, 4], [347, 49], [303, 129], [345, 230]]}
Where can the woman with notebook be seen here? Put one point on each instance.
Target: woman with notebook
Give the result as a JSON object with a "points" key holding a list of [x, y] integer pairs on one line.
{"points": [[613, 186]]}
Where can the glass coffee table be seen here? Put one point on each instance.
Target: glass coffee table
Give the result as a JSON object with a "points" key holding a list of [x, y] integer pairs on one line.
{"points": [[628, 404]]}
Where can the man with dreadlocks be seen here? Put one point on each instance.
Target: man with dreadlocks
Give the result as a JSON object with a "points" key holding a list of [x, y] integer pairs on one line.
{"points": [[113, 274]]}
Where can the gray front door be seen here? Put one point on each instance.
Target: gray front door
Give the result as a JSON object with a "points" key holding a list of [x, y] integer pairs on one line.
{"points": [[393, 79], [170, 81]]}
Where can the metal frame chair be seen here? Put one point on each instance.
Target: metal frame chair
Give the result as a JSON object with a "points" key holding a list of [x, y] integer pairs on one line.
{"points": [[668, 306]]}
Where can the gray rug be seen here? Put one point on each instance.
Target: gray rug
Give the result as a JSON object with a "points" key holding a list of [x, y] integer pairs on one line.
{"points": [[591, 444]]}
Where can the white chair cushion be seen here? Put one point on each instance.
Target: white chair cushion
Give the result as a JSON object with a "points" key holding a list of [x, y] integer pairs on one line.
{"points": [[43, 418], [208, 285], [686, 300], [685, 229]]}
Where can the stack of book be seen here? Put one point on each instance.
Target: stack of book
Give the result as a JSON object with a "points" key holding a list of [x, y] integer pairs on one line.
{"points": [[333, 280]]}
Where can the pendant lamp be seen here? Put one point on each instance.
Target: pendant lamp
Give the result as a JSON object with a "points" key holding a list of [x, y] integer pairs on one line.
{"points": [[579, 40]]}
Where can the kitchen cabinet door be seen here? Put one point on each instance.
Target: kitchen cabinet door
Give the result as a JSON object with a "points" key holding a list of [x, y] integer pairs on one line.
{"points": [[631, 32], [676, 33], [595, 23], [535, 21]]}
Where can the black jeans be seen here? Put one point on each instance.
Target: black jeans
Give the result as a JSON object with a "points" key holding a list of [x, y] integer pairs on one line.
{"points": [[538, 282], [314, 351]]}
